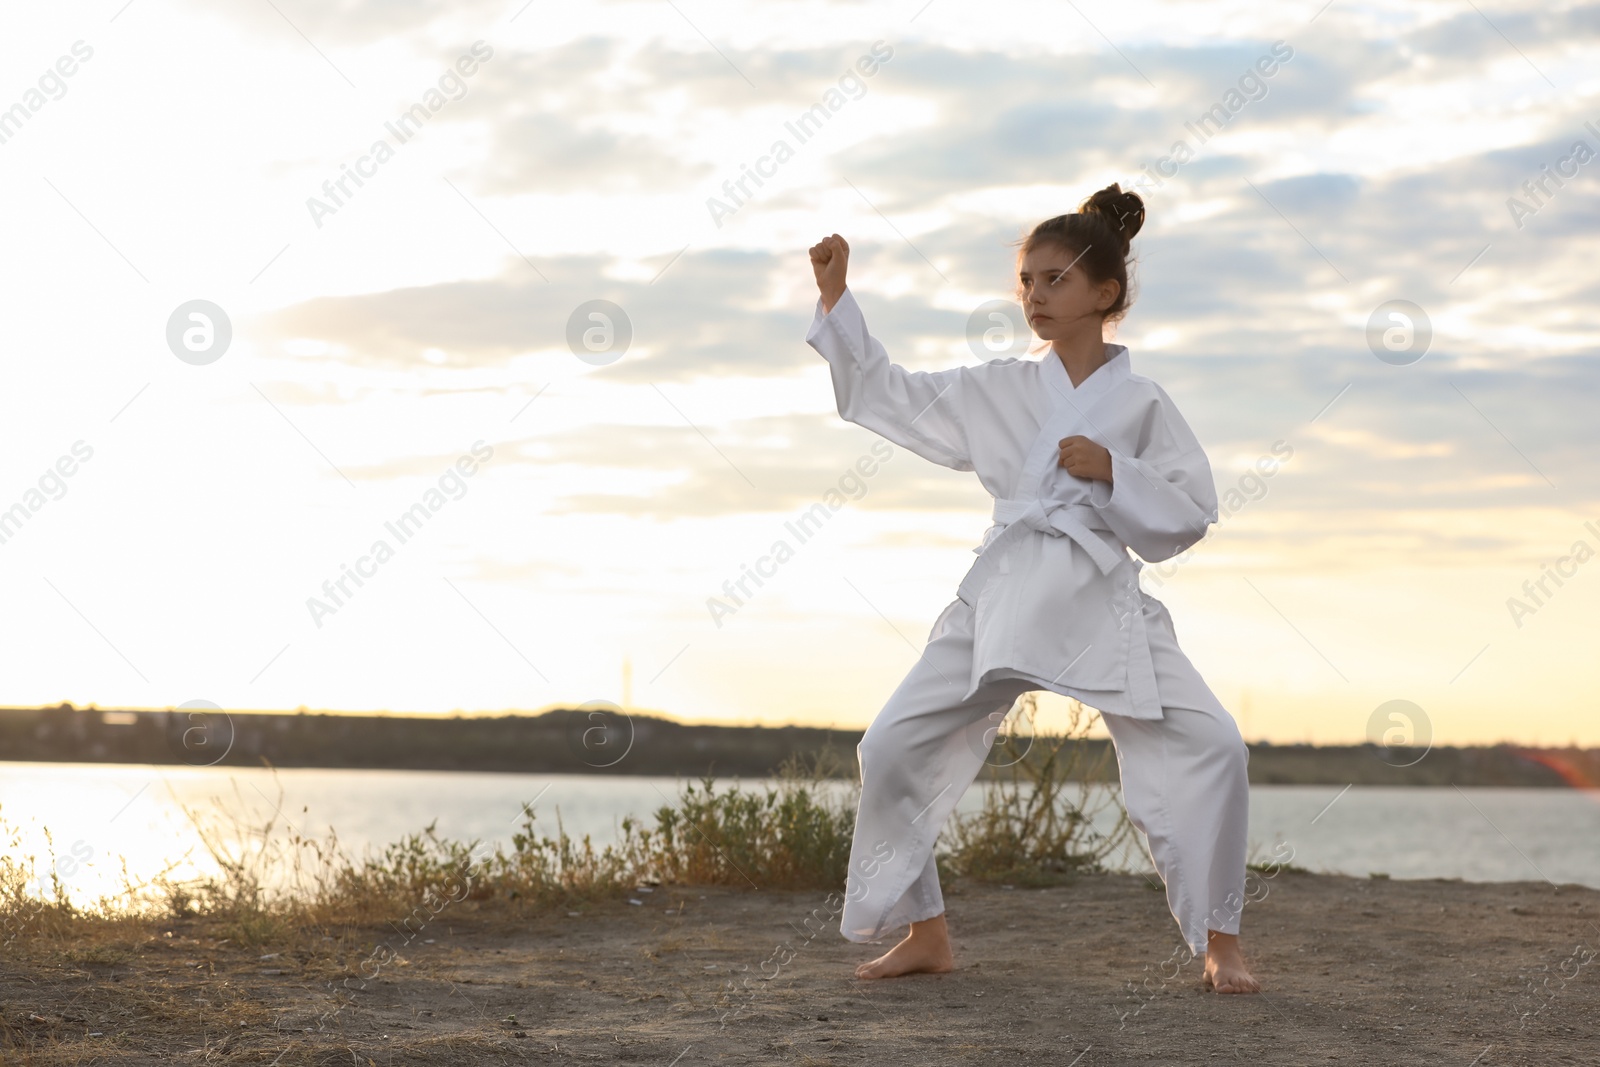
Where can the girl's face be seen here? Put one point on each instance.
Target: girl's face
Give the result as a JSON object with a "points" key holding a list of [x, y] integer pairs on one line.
{"points": [[1056, 294]]}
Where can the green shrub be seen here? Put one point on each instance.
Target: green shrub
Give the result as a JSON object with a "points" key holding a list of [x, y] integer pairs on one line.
{"points": [[1036, 823]]}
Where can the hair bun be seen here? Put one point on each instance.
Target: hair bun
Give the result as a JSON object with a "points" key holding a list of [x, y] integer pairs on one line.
{"points": [[1122, 209]]}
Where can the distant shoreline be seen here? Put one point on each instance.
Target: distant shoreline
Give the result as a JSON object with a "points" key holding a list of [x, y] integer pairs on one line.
{"points": [[608, 741]]}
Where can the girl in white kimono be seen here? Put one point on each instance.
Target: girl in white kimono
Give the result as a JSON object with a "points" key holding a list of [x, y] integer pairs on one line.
{"points": [[1085, 459]]}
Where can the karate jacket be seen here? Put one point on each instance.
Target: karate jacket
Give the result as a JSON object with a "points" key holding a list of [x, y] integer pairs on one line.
{"points": [[1054, 591]]}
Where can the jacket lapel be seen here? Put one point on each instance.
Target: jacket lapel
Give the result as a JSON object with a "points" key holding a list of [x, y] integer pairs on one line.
{"points": [[1069, 415]]}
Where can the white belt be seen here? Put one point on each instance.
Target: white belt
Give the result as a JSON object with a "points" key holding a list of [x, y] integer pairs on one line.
{"points": [[1021, 516]]}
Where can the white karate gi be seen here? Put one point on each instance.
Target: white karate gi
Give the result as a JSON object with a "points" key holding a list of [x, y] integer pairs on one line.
{"points": [[1052, 602]]}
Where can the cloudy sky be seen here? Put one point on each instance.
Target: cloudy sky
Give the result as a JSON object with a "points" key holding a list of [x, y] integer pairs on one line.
{"points": [[156, 153]]}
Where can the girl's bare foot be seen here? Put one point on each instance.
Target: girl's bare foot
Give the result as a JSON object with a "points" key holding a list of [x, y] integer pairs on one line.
{"points": [[1225, 969], [925, 949]]}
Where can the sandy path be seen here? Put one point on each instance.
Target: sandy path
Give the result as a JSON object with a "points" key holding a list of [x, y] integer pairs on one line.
{"points": [[1356, 971]]}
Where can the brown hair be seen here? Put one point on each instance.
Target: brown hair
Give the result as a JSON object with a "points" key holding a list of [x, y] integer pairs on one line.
{"points": [[1099, 233]]}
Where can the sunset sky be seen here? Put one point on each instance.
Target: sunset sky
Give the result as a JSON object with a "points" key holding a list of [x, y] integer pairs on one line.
{"points": [[380, 336]]}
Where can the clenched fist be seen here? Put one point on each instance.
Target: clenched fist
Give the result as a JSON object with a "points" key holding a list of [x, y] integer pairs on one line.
{"points": [[829, 257], [1085, 459]]}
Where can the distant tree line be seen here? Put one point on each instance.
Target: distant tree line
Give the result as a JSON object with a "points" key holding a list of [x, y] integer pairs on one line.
{"points": [[606, 740]]}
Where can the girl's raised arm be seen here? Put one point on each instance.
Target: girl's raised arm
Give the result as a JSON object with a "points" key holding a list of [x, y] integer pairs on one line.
{"points": [[917, 410]]}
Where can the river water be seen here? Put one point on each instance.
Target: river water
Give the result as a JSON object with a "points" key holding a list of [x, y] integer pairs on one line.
{"points": [[104, 819]]}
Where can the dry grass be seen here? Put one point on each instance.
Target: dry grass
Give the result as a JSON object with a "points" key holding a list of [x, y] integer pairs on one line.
{"points": [[788, 836]]}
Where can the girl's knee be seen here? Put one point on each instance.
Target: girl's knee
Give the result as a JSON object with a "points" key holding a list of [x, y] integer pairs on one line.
{"points": [[1222, 736], [1214, 738], [1234, 756], [878, 745], [1227, 746]]}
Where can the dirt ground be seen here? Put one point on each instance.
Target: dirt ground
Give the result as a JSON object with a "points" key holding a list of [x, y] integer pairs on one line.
{"points": [[1355, 971]]}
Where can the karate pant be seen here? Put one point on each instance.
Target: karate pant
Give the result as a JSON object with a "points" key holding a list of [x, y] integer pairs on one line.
{"points": [[1183, 783]]}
